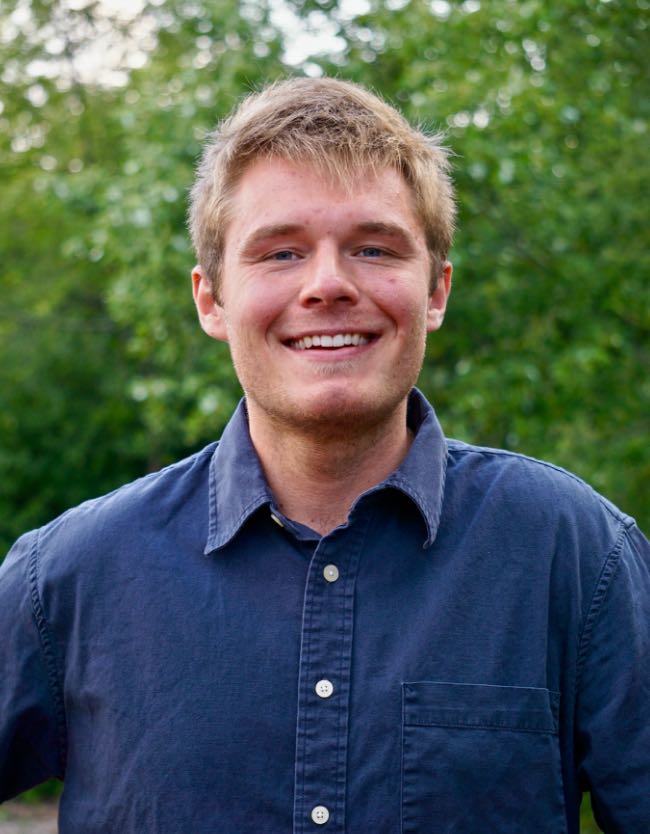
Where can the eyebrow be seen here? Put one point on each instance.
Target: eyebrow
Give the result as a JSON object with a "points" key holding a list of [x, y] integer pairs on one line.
{"points": [[387, 230], [373, 227], [266, 232]]}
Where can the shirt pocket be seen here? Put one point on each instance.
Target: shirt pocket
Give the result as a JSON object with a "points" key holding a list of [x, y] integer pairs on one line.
{"points": [[479, 758]]}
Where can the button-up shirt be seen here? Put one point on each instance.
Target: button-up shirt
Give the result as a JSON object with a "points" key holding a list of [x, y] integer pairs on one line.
{"points": [[467, 653]]}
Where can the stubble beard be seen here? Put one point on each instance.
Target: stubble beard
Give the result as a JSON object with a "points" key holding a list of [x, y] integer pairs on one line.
{"points": [[337, 416]]}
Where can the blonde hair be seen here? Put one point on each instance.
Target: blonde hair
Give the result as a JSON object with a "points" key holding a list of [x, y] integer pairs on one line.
{"points": [[336, 126]]}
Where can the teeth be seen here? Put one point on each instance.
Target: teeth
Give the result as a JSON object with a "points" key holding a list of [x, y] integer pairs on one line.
{"points": [[337, 341]]}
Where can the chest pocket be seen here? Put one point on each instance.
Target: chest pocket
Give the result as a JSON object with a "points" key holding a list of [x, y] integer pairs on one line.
{"points": [[480, 758]]}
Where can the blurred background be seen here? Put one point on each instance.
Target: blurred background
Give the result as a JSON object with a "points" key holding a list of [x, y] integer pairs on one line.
{"points": [[104, 372]]}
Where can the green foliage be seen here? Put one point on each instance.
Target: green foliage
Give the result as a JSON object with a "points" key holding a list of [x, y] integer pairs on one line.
{"points": [[546, 348], [105, 373]]}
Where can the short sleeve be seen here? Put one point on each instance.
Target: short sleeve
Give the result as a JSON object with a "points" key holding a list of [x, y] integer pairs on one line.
{"points": [[613, 699], [30, 708]]}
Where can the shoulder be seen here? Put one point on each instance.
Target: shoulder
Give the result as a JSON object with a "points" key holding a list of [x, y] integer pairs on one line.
{"points": [[535, 494], [529, 478], [117, 520]]}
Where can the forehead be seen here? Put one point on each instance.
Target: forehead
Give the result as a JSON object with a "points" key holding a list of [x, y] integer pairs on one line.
{"points": [[282, 191]]}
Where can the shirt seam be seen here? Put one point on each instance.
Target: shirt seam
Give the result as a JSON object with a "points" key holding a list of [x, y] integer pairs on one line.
{"points": [[401, 769], [465, 448], [301, 738], [343, 751], [605, 580], [49, 655], [481, 726], [343, 708]]}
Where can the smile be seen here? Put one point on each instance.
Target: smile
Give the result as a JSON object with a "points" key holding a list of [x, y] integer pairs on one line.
{"points": [[338, 340]]}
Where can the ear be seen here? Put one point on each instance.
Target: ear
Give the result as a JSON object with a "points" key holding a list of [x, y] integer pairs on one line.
{"points": [[438, 299], [211, 314]]}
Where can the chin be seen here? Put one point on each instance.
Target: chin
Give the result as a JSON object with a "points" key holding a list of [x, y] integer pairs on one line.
{"points": [[352, 410]]}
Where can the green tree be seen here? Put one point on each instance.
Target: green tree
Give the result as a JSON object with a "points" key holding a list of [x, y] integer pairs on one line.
{"points": [[546, 347], [104, 373]]}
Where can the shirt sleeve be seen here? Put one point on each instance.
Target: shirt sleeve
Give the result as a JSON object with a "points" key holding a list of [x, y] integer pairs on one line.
{"points": [[31, 709], [613, 703]]}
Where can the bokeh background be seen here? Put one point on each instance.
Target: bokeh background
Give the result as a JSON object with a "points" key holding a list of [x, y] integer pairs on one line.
{"points": [[104, 372]]}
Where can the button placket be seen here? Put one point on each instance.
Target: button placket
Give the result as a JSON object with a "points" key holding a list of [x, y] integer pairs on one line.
{"points": [[322, 727]]}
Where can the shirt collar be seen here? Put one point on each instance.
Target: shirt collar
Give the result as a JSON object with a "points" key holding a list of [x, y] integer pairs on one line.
{"points": [[237, 483], [421, 475], [238, 487]]}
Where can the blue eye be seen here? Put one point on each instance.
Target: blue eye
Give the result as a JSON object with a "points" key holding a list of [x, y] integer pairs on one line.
{"points": [[371, 252], [283, 255]]}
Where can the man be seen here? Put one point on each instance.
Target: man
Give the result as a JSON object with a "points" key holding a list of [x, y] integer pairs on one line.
{"points": [[333, 619]]}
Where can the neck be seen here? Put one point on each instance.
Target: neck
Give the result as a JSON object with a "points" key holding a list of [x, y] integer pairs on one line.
{"points": [[315, 477]]}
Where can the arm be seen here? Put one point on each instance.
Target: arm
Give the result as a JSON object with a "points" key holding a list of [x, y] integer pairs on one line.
{"points": [[31, 709], [613, 704]]}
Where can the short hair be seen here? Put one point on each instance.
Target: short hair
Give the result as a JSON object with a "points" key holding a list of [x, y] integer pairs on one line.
{"points": [[338, 127]]}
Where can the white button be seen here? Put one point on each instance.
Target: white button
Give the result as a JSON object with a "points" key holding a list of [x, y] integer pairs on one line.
{"points": [[331, 573], [277, 520], [320, 815], [324, 688]]}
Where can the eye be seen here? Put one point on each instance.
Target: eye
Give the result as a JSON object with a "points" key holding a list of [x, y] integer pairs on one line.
{"points": [[282, 255], [371, 252]]}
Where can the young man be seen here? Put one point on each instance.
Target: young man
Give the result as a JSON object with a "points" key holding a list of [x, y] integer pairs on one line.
{"points": [[333, 619]]}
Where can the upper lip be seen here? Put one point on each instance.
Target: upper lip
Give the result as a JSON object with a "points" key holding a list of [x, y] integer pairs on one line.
{"points": [[330, 331]]}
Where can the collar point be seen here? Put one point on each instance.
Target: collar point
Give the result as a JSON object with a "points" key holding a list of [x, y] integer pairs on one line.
{"points": [[216, 541]]}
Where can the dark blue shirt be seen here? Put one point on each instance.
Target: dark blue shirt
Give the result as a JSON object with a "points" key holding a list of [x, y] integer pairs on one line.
{"points": [[467, 653]]}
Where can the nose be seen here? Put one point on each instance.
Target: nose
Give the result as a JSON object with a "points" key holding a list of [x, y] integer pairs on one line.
{"points": [[328, 280]]}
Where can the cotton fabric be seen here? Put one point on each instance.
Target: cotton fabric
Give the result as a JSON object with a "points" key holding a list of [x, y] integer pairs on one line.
{"points": [[486, 641]]}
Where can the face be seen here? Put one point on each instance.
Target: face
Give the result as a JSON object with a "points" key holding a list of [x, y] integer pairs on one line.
{"points": [[325, 297]]}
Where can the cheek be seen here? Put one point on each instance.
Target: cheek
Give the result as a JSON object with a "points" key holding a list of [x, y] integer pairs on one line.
{"points": [[406, 309], [253, 310]]}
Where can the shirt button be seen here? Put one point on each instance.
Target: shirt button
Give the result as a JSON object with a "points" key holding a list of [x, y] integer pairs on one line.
{"points": [[324, 688], [331, 573], [320, 815]]}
